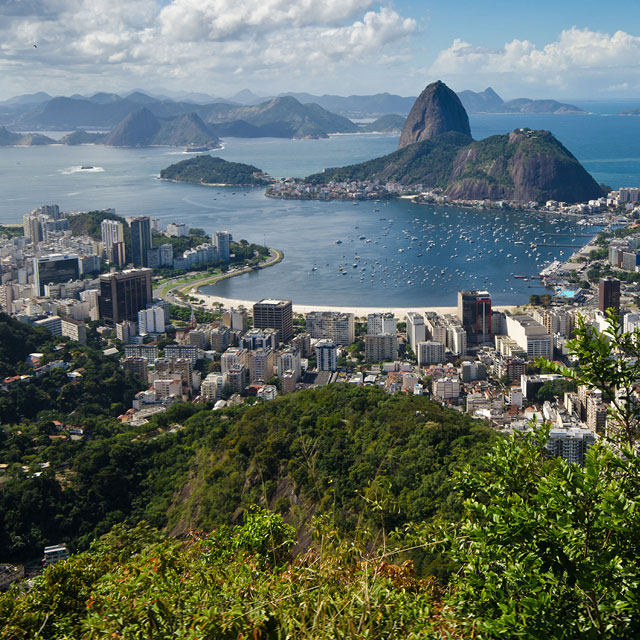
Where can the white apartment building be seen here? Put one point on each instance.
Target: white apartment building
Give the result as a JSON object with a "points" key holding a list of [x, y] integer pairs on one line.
{"points": [[430, 352], [436, 328], [212, 386], [530, 336], [233, 358], [261, 364], [334, 325], [268, 392], [168, 387], [151, 321], [327, 355], [416, 330], [112, 231], [177, 229], [289, 360], [378, 323]]}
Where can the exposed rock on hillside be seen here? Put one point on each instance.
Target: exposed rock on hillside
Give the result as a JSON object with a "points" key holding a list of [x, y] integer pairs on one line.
{"points": [[523, 165], [10, 138], [437, 110]]}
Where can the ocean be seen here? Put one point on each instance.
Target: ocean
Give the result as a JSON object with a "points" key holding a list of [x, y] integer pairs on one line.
{"points": [[372, 254]]}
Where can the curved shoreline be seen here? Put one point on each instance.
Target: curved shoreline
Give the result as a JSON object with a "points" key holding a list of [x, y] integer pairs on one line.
{"points": [[212, 302], [168, 290]]}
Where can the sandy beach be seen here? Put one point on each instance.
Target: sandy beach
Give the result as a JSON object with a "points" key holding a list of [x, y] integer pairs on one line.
{"points": [[398, 312]]}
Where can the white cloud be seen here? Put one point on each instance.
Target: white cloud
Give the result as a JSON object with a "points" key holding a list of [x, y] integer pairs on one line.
{"points": [[577, 57], [201, 42]]}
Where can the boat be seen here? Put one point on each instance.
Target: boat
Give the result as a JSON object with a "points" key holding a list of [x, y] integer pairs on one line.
{"points": [[196, 148], [86, 167], [338, 241]]}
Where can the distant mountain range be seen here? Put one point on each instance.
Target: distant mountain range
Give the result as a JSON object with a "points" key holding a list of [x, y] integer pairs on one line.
{"points": [[245, 114], [282, 117], [487, 101]]}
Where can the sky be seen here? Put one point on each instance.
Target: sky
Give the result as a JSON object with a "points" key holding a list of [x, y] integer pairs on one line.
{"points": [[566, 49]]}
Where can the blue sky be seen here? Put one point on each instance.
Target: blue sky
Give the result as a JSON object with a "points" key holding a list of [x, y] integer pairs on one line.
{"points": [[562, 49]]}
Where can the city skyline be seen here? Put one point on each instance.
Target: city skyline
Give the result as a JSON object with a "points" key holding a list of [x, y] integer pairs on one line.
{"points": [[216, 47]]}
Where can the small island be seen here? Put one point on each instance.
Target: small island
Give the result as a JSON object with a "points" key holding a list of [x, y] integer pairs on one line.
{"points": [[207, 170]]}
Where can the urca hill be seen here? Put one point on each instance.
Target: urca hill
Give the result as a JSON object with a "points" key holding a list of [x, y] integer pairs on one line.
{"points": [[436, 150]]}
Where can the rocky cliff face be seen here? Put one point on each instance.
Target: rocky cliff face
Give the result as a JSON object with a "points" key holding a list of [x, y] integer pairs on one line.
{"points": [[523, 165], [437, 110]]}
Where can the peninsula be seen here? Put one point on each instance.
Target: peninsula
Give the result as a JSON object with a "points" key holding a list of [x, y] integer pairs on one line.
{"points": [[436, 151]]}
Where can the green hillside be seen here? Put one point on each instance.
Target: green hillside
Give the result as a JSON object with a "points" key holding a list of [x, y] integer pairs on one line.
{"points": [[205, 169], [429, 162]]}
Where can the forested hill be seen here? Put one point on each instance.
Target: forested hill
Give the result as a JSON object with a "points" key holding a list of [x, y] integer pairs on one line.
{"points": [[335, 449], [205, 169]]}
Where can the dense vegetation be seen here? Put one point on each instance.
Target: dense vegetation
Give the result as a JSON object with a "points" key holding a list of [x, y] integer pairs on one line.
{"points": [[88, 224], [523, 165], [429, 162], [331, 449], [206, 169], [49, 499], [11, 230], [539, 548]]}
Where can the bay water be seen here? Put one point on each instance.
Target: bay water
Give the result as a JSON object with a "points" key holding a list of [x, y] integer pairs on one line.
{"points": [[371, 254]]}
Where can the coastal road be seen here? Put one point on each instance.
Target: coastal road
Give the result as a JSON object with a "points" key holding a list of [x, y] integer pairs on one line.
{"points": [[170, 293]]}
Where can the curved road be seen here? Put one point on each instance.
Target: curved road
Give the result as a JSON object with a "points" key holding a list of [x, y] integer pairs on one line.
{"points": [[170, 293]]}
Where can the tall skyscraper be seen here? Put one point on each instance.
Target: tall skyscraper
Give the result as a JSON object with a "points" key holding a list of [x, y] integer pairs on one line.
{"points": [[140, 240], [274, 314], [609, 295], [123, 294], [56, 268], [474, 313], [222, 240]]}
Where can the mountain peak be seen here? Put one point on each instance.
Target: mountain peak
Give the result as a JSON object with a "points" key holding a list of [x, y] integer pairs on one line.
{"points": [[436, 110]]}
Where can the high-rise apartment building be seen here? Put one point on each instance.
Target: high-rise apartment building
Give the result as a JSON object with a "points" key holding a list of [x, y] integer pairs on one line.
{"points": [[609, 295], [112, 231], [151, 321], [123, 294], [327, 355], [274, 314], [381, 323], [235, 319], [430, 352], [32, 227], [140, 240], [474, 313], [334, 325], [380, 346], [222, 241], [261, 364], [416, 330]]}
